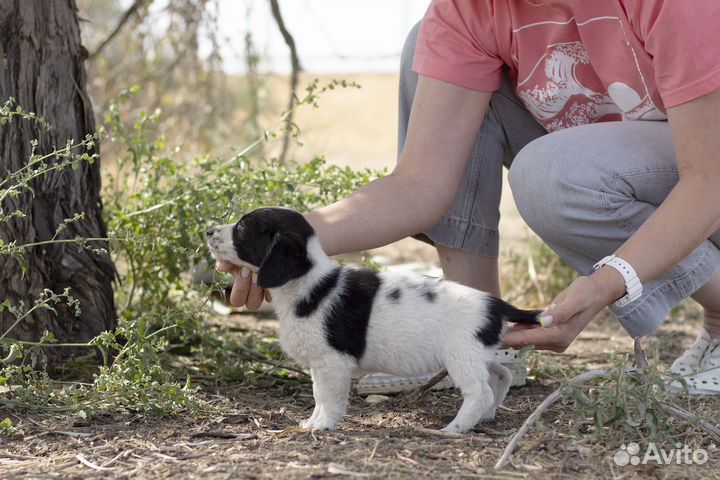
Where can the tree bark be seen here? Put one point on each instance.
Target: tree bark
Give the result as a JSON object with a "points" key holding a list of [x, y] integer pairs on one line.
{"points": [[42, 67]]}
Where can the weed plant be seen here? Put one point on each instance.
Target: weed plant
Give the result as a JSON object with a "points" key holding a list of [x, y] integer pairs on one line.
{"points": [[157, 208]]}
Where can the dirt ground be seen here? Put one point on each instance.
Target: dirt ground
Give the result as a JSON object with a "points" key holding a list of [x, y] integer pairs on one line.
{"points": [[259, 439]]}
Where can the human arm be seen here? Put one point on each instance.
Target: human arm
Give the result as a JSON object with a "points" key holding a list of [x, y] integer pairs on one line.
{"points": [[689, 214], [444, 124]]}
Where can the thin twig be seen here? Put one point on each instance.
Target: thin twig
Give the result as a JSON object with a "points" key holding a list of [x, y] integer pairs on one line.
{"points": [[121, 23], [420, 392], [433, 381], [439, 433], [294, 75], [88, 463], [112, 460], [676, 411], [544, 406], [639, 363]]}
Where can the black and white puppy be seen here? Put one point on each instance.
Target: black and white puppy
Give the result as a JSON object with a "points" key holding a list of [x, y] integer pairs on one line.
{"points": [[342, 321]]}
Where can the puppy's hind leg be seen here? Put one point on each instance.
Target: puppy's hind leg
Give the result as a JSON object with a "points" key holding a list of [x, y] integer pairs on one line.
{"points": [[499, 379], [331, 387], [471, 377]]}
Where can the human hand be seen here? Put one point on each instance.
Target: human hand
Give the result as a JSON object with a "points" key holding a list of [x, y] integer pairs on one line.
{"points": [[569, 313], [245, 290]]}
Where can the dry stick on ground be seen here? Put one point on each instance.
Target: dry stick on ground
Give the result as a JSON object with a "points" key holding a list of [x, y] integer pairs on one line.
{"points": [[544, 406], [439, 433], [676, 411], [294, 75], [638, 365], [420, 392]]}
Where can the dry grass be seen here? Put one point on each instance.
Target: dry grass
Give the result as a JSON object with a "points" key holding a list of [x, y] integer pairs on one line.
{"points": [[258, 439]]}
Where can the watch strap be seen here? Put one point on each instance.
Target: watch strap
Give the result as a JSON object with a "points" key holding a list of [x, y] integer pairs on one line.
{"points": [[633, 287]]}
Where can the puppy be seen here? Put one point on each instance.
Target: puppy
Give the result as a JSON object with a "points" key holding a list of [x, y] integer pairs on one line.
{"points": [[341, 321]]}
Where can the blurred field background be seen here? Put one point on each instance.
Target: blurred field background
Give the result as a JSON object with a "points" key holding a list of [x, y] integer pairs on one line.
{"points": [[220, 73]]}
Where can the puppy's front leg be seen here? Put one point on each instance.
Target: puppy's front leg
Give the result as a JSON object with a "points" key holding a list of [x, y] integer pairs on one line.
{"points": [[331, 386], [316, 411]]}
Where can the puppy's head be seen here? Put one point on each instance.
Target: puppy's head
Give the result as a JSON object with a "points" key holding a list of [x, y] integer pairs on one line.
{"points": [[269, 240]]}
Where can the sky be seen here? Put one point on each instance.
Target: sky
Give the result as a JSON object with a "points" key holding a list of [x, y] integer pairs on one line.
{"points": [[332, 36]]}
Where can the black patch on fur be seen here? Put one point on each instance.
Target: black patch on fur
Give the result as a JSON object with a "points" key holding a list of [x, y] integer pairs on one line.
{"points": [[347, 321], [275, 240], [426, 287], [320, 290], [489, 334], [499, 311], [429, 295], [394, 295], [286, 260]]}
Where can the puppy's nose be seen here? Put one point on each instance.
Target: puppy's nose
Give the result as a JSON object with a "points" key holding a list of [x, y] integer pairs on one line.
{"points": [[211, 231]]}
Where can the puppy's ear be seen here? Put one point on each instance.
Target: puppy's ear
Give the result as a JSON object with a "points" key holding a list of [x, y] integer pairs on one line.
{"points": [[285, 260]]}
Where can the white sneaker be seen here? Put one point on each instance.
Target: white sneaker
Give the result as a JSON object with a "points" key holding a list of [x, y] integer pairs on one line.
{"points": [[383, 383], [699, 366]]}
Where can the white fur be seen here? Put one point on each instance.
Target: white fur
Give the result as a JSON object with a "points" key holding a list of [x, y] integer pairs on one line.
{"points": [[409, 337]]}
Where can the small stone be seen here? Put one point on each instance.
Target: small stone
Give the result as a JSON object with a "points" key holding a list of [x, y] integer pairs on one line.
{"points": [[373, 399]]}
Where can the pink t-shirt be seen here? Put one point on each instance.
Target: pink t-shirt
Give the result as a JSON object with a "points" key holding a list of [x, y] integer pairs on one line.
{"points": [[577, 61]]}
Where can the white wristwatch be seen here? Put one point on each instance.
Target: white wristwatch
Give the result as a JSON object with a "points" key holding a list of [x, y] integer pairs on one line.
{"points": [[633, 287]]}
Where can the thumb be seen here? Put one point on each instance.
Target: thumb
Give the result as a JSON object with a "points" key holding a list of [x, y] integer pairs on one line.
{"points": [[558, 313]]}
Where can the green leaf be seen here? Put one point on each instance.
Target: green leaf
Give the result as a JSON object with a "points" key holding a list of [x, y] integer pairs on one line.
{"points": [[15, 353]]}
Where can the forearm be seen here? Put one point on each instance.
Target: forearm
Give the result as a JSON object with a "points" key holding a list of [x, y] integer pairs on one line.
{"points": [[383, 211], [443, 127], [691, 212], [688, 216]]}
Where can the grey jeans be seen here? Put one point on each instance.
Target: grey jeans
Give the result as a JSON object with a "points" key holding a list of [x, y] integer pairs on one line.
{"points": [[584, 190]]}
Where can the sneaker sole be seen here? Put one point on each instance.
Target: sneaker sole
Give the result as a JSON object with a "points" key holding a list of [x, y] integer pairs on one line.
{"points": [[397, 384], [676, 390]]}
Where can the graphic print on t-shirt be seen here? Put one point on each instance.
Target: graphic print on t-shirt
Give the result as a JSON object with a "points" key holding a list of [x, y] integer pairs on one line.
{"points": [[559, 86]]}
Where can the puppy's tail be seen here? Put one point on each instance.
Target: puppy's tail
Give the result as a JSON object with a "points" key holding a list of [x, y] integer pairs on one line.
{"points": [[502, 309]]}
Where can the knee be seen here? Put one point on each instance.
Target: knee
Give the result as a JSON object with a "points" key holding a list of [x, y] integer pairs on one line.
{"points": [[535, 179]]}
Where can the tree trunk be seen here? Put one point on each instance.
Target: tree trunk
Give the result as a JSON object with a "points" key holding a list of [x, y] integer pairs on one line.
{"points": [[41, 66]]}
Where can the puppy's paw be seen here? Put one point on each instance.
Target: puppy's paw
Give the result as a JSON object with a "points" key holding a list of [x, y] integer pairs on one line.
{"points": [[454, 428], [317, 424], [488, 417]]}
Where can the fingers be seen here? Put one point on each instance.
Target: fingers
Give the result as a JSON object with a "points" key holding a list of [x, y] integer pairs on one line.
{"points": [[562, 320], [246, 292], [567, 304], [241, 288], [521, 326], [559, 313], [255, 295], [541, 338]]}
